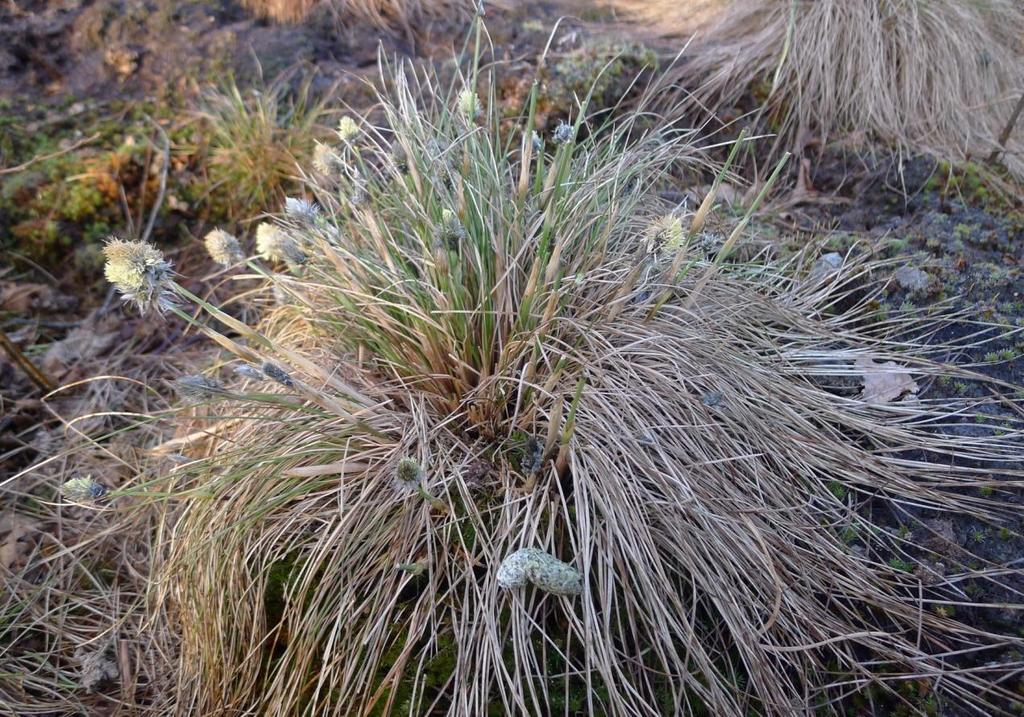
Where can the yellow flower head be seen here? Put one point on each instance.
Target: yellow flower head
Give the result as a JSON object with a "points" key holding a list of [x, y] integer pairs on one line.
{"points": [[667, 231], [326, 161]]}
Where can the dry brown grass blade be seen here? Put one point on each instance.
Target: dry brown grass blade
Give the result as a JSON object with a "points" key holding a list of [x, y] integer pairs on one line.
{"points": [[939, 77]]}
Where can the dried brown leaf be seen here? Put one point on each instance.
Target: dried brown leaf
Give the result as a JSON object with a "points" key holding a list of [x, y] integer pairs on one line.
{"points": [[884, 382]]}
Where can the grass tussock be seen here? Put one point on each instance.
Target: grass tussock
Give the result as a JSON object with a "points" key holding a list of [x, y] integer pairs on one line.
{"points": [[940, 76], [254, 139], [492, 344], [386, 14]]}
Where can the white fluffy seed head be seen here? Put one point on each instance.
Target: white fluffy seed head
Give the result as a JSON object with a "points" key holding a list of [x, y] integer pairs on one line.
{"points": [[223, 248], [348, 129], [300, 208], [563, 133], [273, 244], [248, 371], [140, 273]]}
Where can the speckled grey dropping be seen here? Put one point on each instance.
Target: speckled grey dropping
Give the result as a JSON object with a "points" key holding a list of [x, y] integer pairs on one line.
{"points": [[548, 573]]}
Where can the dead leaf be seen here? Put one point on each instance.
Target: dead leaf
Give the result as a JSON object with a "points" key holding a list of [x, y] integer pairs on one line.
{"points": [[15, 531], [84, 344], [99, 665], [22, 298], [884, 382]]}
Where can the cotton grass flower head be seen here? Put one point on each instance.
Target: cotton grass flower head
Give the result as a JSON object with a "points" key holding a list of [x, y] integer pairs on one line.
{"points": [[666, 232], [563, 133], [273, 244], [248, 371], [326, 161], [195, 387], [83, 489], [276, 373], [469, 105], [302, 209], [545, 571], [223, 248], [348, 129], [358, 195], [140, 273], [451, 233], [408, 477], [533, 456]]}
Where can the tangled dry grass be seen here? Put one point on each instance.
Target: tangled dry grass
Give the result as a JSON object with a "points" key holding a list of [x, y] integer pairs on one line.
{"points": [[940, 76]]}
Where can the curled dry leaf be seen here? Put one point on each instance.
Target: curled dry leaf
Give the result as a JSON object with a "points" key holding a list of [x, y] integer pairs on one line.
{"points": [[19, 297], [15, 544], [884, 382], [98, 665]]}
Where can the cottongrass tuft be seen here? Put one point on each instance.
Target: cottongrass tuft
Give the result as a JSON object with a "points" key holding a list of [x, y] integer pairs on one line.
{"points": [[274, 244], [666, 233], [223, 248], [563, 133], [451, 233], [83, 489], [196, 387], [278, 374], [716, 569], [302, 209], [408, 477], [545, 571], [536, 141], [249, 371], [140, 273], [327, 161], [469, 105], [533, 456], [347, 129]]}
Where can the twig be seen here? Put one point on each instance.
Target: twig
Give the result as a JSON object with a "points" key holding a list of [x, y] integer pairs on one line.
{"points": [[1005, 136], [163, 181], [38, 377], [51, 155]]}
